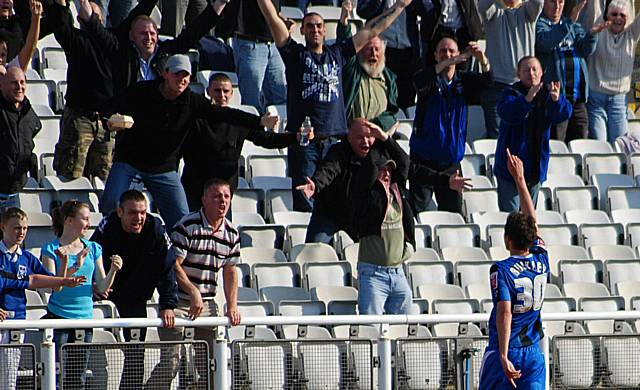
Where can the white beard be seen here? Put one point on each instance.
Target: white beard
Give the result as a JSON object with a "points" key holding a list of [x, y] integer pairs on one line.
{"points": [[373, 70]]}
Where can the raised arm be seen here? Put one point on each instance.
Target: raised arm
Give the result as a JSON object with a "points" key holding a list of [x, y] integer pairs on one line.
{"points": [[104, 282], [488, 9], [532, 9], [279, 30], [377, 25], [516, 169], [32, 36]]}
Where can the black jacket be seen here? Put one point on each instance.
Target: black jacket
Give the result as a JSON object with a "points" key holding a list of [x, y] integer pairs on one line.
{"points": [[124, 55], [161, 126], [368, 198], [431, 19], [213, 149], [89, 76], [17, 129], [146, 262]]}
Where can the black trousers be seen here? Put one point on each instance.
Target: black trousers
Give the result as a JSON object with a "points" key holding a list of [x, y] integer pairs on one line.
{"points": [[421, 190], [577, 127], [403, 63]]}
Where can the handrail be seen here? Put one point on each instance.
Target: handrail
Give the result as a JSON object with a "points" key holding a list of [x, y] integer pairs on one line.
{"points": [[304, 320]]}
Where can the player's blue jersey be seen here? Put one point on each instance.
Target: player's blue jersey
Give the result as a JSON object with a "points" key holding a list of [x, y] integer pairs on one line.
{"points": [[522, 281]]}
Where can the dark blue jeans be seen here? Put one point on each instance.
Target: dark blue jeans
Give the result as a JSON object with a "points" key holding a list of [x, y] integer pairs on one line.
{"points": [[321, 228]]}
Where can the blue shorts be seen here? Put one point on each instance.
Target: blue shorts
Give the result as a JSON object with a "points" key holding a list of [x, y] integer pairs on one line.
{"points": [[529, 360]]}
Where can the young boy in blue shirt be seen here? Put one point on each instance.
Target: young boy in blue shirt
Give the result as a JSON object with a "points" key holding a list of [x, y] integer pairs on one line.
{"points": [[19, 270], [513, 356]]}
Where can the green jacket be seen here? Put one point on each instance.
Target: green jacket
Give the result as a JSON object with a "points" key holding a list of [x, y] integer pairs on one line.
{"points": [[351, 77]]}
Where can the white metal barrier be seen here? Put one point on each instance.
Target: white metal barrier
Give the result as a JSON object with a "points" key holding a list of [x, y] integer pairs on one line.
{"points": [[221, 378]]}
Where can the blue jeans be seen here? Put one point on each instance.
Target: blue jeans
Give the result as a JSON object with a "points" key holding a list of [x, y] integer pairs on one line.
{"points": [[303, 161], [383, 290], [321, 228], [508, 198], [607, 116], [260, 73], [165, 188]]}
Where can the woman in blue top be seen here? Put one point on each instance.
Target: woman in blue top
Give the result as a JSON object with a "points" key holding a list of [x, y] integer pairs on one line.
{"points": [[71, 254]]}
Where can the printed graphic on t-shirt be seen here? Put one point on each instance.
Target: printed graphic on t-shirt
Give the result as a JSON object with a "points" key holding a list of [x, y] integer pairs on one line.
{"points": [[320, 82]]}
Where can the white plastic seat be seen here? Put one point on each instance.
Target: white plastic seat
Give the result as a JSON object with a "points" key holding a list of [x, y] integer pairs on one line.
{"points": [[480, 182], [629, 289], [463, 253], [620, 354], [620, 270], [253, 255], [558, 147], [312, 252], [454, 306], [480, 200], [267, 166], [623, 198], [575, 198], [434, 218], [498, 253], [432, 292], [295, 235], [611, 252], [589, 271], [473, 165], [275, 294], [249, 148], [601, 234], [615, 163], [478, 291], [276, 274], [248, 201], [563, 180], [485, 146], [425, 254], [548, 217], [559, 234], [472, 272], [247, 218], [579, 217], [327, 294], [563, 252], [578, 290], [600, 304], [495, 236], [556, 305], [336, 273], [605, 180], [286, 218], [572, 372], [456, 235], [584, 146], [423, 236], [267, 183], [279, 200], [42, 93], [432, 272], [565, 163]]}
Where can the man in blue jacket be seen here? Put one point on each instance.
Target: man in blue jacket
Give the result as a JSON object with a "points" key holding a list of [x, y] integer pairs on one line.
{"points": [[527, 111], [440, 126], [140, 239]]}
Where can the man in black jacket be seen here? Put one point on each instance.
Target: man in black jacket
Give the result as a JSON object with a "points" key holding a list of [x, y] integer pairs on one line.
{"points": [[19, 124], [330, 184], [213, 149], [136, 52], [164, 111], [140, 240], [383, 222]]}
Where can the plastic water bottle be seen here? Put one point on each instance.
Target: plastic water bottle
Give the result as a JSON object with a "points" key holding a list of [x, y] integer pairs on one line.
{"points": [[306, 129]]}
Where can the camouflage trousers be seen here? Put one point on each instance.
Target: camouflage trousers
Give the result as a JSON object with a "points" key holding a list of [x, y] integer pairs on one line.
{"points": [[85, 147]]}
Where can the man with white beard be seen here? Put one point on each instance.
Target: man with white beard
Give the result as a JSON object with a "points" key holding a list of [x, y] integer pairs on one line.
{"points": [[370, 89]]}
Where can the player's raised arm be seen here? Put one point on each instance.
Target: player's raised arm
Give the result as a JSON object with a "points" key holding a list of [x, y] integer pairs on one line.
{"points": [[278, 28], [516, 169]]}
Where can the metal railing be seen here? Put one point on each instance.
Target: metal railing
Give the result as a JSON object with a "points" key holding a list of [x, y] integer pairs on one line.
{"points": [[220, 363]]}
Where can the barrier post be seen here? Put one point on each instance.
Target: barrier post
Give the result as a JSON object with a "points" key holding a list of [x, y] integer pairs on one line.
{"points": [[48, 356], [220, 372], [544, 344], [385, 372]]}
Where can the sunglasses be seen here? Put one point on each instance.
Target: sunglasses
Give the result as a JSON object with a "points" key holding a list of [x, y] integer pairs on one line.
{"points": [[616, 14]]}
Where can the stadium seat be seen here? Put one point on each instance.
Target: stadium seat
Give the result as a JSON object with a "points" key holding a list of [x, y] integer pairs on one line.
{"points": [[295, 235], [611, 252], [497, 253], [557, 305], [278, 200], [473, 165], [575, 362], [312, 252], [633, 234], [454, 306], [600, 304], [552, 291], [605, 180], [429, 272], [243, 218], [589, 271], [425, 254], [563, 252], [614, 163], [620, 353], [579, 290], [584, 146], [478, 291], [267, 166], [433, 218], [545, 199], [575, 198], [621, 198], [548, 217], [286, 218], [431, 292], [484, 219], [327, 294], [630, 290], [618, 271], [565, 163], [456, 235], [563, 180], [559, 234], [262, 236], [580, 217], [480, 182], [485, 146], [336, 273], [479, 200], [253, 255], [472, 272], [276, 274], [250, 149], [275, 294], [248, 200], [423, 236], [342, 307], [463, 253], [558, 147], [601, 234]]}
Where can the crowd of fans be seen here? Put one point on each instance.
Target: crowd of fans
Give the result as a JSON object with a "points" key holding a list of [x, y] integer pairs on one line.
{"points": [[550, 71]]}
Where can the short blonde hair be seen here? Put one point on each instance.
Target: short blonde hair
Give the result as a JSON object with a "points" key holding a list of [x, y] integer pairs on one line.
{"points": [[621, 4]]}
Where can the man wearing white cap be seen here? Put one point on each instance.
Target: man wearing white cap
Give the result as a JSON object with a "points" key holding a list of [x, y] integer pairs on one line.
{"points": [[163, 111]]}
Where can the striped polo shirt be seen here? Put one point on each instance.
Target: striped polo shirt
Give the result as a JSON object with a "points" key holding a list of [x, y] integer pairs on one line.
{"points": [[204, 250]]}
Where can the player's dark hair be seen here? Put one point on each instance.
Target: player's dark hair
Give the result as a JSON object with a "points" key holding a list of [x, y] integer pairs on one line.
{"points": [[132, 195], [13, 212], [69, 209], [215, 182], [311, 14], [220, 77], [521, 230]]}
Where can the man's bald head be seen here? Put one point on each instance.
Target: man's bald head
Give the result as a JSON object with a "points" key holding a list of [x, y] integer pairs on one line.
{"points": [[360, 137], [13, 85]]}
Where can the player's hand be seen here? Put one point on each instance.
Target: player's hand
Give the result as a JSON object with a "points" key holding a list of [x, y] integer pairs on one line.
{"points": [[168, 318], [234, 315], [554, 90], [36, 8], [269, 121], [515, 166], [533, 91], [510, 371], [307, 189], [3, 315], [116, 263], [196, 305], [459, 183]]}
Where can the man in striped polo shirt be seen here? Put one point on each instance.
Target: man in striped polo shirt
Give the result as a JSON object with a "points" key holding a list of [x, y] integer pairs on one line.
{"points": [[204, 242]]}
